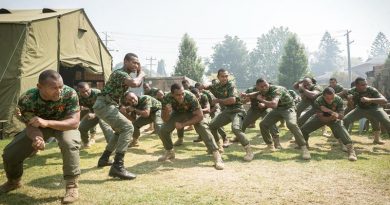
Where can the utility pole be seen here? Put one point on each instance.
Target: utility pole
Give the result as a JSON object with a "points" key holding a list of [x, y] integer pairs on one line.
{"points": [[349, 57], [106, 40], [151, 59]]}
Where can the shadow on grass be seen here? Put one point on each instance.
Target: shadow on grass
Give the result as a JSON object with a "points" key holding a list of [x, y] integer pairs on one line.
{"points": [[19, 199]]}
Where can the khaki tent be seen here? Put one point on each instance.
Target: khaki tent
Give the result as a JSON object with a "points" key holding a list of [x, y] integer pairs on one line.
{"points": [[32, 41]]}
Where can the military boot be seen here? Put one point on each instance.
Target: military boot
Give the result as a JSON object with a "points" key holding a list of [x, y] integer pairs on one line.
{"points": [[305, 153], [218, 163], [104, 160], [351, 153], [134, 143], [9, 185], [118, 169], [249, 154], [270, 148], [276, 140], [343, 147], [71, 190], [168, 155], [377, 139], [178, 142]]}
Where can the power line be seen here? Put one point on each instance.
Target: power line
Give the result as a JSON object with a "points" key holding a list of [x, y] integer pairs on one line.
{"points": [[106, 40], [151, 59], [349, 57]]}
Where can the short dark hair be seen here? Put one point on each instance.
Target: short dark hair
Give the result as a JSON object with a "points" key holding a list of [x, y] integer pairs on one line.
{"points": [[197, 85], [195, 91], [221, 70], [333, 79], [48, 74], [129, 56], [328, 91], [82, 85], [185, 81], [176, 86], [358, 80], [260, 80], [128, 92]]}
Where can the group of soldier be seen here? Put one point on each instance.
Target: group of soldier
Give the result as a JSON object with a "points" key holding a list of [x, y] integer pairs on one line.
{"points": [[53, 110]]}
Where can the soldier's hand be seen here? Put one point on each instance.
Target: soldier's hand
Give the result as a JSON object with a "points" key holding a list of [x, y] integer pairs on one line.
{"points": [[122, 109], [38, 143], [365, 99], [349, 97], [324, 109], [215, 101], [130, 109], [261, 105], [179, 125], [260, 98], [91, 116], [168, 107], [38, 122]]}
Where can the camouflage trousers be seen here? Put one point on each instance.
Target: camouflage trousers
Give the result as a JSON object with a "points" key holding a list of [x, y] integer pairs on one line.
{"points": [[107, 111], [87, 124], [154, 117], [375, 115], [202, 128], [252, 115], [20, 148], [337, 127]]}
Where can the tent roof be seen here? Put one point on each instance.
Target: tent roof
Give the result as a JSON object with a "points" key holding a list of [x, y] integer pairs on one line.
{"points": [[26, 16]]}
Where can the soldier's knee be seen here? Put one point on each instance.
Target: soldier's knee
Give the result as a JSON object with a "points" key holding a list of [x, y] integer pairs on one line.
{"points": [[263, 125]]}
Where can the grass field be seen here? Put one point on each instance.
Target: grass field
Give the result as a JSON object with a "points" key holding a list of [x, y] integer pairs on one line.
{"points": [[271, 178]]}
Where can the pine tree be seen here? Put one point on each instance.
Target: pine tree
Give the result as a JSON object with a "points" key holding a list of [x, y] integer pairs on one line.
{"points": [[380, 46], [293, 65], [189, 64]]}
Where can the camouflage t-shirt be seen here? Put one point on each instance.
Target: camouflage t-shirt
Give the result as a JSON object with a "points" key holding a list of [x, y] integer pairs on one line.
{"points": [[285, 99], [31, 104], [254, 101], [115, 87], [144, 102], [203, 101], [226, 91], [152, 92], [295, 96], [89, 101], [337, 104], [371, 92], [338, 88], [190, 103]]}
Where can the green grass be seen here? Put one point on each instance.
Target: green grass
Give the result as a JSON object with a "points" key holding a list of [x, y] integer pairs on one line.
{"points": [[271, 178]]}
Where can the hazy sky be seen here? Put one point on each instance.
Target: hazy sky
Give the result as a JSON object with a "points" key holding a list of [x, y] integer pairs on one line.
{"points": [[155, 27]]}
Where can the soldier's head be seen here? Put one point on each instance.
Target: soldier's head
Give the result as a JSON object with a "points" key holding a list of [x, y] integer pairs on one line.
{"points": [[160, 95], [198, 86], [307, 82], [84, 89], [361, 84], [196, 92], [186, 84], [329, 95], [50, 85], [262, 85], [146, 87], [223, 76], [332, 82], [131, 98], [177, 91], [131, 63]]}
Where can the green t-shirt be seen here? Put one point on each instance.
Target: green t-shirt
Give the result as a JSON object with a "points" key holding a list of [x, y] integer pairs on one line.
{"points": [[371, 92], [312, 88], [226, 91], [285, 99], [31, 104], [115, 86], [152, 92], [337, 105], [190, 103], [89, 101]]}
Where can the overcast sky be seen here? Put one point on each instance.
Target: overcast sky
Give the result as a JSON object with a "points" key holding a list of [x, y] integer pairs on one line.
{"points": [[153, 28]]}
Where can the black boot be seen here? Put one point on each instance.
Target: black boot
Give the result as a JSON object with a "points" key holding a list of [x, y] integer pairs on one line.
{"points": [[104, 159], [118, 170]]}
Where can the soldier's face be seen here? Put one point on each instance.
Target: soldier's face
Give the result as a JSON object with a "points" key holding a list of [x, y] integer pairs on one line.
{"points": [[131, 99], [160, 95], [85, 91], [328, 98], [51, 89], [178, 95], [263, 87], [146, 87], [223, 77], [132, 65], [332, 83], [361, 86], [306, 83]]}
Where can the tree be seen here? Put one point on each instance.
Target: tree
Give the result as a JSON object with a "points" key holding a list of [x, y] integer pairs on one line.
{"points": [[232, 55], [293, 65], [161, 68], [380, 46], [328, 58], [189, 64], [264, 59]]}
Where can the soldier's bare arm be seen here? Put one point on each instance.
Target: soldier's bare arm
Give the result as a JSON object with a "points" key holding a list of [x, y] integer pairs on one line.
{"points": [[137, 81], [70, 122]]}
